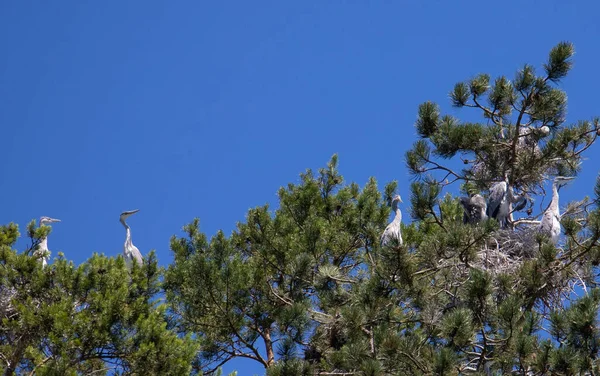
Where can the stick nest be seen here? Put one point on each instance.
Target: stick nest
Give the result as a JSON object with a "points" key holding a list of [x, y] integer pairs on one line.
{"points": [[505, 252]]}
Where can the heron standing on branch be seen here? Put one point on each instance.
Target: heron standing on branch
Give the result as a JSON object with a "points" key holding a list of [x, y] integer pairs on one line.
{"points": [[130, 251], [392, 231], [550, 224], [42, 249]]}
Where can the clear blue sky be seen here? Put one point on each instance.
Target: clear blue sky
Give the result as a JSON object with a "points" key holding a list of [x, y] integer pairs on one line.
{"points": [[204, 109]]}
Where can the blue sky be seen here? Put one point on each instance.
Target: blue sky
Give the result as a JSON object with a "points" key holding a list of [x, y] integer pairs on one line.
{"points": [[204, 109]]}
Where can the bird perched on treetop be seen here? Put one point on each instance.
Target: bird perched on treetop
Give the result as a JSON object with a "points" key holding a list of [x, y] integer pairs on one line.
{"points": [[392, 231], [42, 249], [130, 251]]}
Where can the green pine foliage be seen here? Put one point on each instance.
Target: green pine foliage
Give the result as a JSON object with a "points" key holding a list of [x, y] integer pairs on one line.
{"points": [[97, 318], [284, 278], [307, 288]]}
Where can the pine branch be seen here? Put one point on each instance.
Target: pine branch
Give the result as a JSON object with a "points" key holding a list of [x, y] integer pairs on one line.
{"points": [[437, 166], [39, 365], [491, 114], [418, 364], [233, 328], [289, 302]]}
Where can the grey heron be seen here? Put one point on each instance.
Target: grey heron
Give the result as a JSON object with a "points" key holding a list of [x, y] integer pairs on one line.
{"points": [[392, 231], [42, 249], [497, 206], [474, 208], [130, 251], [500, 201], [550, 224]]}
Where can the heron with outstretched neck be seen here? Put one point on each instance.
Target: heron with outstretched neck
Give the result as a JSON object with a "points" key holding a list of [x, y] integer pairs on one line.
{"points": [[42, 250], [550, 224], [130, 251], [392, 231]]}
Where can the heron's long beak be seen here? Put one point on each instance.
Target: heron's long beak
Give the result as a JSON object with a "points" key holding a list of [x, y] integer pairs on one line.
{"points": [[565, 178], [54, 220]]}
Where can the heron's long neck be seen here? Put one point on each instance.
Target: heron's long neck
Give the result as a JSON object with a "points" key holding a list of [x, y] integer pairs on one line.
{"points": [[127, 232], [123, 223], [44, 243], [554, 202], [128, 236], [398, 217]]}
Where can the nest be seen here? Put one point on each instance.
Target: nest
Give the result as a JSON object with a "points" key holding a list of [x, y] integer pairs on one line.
{"points": [[506, 251]]}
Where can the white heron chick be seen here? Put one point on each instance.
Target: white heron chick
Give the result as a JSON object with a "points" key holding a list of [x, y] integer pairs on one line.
{"points": [[42, 250], [550, 224], [130, 251], [544, 131], [392, 231]]}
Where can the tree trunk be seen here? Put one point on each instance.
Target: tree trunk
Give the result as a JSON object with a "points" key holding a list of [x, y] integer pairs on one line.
{"points": [[269, 347]]}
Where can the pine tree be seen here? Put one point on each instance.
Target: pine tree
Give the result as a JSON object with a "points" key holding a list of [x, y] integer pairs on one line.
{"points": [[97, 318], [307, 289], [494, 292], [310, 288], [262, 292]]}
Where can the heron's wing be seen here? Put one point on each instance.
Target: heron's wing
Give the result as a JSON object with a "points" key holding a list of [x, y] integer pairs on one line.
{"points": [[386, 234], [137, 255], [478, 201], [546, 223], [492, 209], [390, 232], [496, 195]]}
